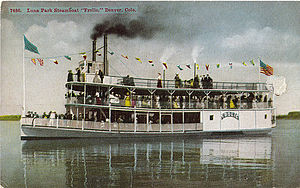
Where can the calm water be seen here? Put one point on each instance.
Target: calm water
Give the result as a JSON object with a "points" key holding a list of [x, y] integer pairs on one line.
{"points": [[269, 161]]}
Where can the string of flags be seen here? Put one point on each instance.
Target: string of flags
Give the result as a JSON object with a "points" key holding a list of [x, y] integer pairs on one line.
{"points": [[264, 68]]}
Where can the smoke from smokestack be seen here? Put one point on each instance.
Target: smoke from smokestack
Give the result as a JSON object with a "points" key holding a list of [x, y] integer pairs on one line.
{"points": [[124, 27]]}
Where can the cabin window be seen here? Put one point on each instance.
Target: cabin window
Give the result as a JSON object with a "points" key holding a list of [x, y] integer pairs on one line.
{"points": [[266, 116], [211, 117]]}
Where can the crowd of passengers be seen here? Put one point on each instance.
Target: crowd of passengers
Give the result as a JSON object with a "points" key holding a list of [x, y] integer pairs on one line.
{"points": [[228, 101], [205, 82]]}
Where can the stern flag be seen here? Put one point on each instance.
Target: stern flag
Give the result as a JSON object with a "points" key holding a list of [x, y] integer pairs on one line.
{"points": [[30, 47], [265, 69]]}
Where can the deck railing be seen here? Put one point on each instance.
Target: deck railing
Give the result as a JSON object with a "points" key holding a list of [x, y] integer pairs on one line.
{"points": [[110, 127], [147, 103], [152, 83]]}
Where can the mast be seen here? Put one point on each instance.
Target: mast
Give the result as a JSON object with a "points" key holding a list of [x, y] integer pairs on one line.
{"points": [[24, 89], [106, 66]]}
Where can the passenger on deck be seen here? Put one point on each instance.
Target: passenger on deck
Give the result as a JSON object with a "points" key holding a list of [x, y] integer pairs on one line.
{"points": [[159, 81], [70, 76], [101, 75], [97, 78], [78, 74], [196, 82], [209, 82], [177, 81]]}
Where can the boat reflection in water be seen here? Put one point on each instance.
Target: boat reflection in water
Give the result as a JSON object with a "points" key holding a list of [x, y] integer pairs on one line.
{"points": [[184, 162]]}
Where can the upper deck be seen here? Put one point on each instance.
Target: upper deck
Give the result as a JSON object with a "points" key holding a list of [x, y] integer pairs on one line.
{"points": [[151, 84]]}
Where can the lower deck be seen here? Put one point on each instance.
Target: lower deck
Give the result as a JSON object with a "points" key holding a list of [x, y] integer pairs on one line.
{"points": [[204, 122]]}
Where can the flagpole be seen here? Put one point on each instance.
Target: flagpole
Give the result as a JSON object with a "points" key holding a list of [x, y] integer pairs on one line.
{"points": [[259, 71], [24, 100]]}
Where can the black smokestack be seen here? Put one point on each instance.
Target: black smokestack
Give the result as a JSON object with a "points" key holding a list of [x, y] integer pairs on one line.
{"points": [[94, 50], [123, 27]]}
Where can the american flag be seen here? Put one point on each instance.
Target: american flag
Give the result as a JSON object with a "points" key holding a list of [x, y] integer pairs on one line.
{"points": [[266, 69]]}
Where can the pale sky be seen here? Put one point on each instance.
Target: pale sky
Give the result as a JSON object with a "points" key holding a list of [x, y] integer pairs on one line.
{"points": [[183, 32]]}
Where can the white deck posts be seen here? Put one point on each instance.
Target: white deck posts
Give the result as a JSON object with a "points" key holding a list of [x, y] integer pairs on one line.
{"points": [[135, 125], [159, 120]]}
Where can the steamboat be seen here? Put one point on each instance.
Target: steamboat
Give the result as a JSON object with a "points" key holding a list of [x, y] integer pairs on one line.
{"points": [[129, 107]]}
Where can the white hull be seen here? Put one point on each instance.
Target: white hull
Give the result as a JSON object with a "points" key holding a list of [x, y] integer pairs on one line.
{"points": [[212, 122]]}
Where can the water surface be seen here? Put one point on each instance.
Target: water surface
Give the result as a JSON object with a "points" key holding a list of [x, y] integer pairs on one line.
{"points": [[267, 161]]}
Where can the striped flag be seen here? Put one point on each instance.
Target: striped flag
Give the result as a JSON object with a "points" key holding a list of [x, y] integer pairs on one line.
{"points": [[165, 65], [41, 61], [207, 66], [125, 56], [68, 57], [139, 60], [84, 56], [265, 69], [55, 61], [179, 67], [33, 61], [151, 62]]}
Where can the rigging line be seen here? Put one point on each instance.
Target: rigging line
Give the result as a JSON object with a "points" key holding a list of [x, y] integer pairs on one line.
{"points": [[128, 68], [60, 55], [114, 70]]}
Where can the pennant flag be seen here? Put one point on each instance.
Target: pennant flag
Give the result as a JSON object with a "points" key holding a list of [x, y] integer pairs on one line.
{"points": [[252, 62], [111, 53], [126, 57], [188, 66], [96, 51], [84, 56], [33, 61], [230, 64], [41, 61], [30, 47], [218, 65], [139, 60], [265, 69], [55, 61], [244, 63], [165, 64], [197, 65], [179, 67], [151, 62], [207, 66], [82, 53], [68, 57]]}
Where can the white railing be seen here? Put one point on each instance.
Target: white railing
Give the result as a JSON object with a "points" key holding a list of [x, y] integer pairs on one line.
{"points": [[111, 127]]}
